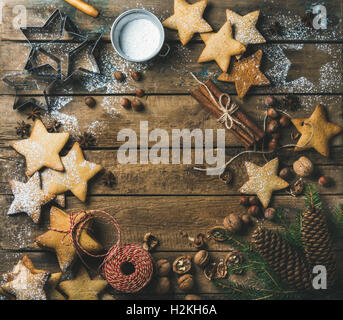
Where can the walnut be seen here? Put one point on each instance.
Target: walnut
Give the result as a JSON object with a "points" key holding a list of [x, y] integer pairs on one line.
{"points": [[210, 271], [192, 297], [182, 265], [162, 285], [221, 270], [233, 223], [201, 258], [303, 167], [233, 260], [217, 233], [162, 267], [186, 282], [150, 242]]}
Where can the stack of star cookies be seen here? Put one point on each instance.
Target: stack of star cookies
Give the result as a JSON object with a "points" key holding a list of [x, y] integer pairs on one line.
{"points": [[231, 40]]}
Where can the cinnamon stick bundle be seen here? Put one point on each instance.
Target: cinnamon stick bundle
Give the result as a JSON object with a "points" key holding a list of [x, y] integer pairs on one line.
{"points": [[247, 134]]}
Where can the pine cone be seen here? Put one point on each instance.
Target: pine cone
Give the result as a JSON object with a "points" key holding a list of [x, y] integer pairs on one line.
{"points": [[317, 242], [286, 261]]}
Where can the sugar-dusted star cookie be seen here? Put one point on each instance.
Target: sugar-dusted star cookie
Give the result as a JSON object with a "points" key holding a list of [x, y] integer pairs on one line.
{"points": [[245, 27], [26, 282], [50, 287], [319, 129], [41, 149], [29, 197], [77, 172], [188, 20], [246, 73], [83, 287], [263, 181], [220, 47], [59, 240]]}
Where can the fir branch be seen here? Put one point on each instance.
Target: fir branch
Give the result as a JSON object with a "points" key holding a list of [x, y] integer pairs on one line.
{"points": [[336, 222], [312, 197]]}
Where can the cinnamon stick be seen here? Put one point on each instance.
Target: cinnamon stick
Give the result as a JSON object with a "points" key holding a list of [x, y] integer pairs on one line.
{"points": [[202, 99], [242, 117]]}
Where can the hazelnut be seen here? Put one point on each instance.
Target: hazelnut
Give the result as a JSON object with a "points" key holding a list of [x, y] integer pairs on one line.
{"points": [[284, 121], [162, 285], [119, 76], [324, 181], [273, 126], [246, 219], [192, 297], [269, 213], [186, 282], [303, 167], [233, 223], [90, 102], [140, 93], [201, 258], [273, 145], [253, 201], [272, 113], [269, 101], [136, 105], [285, 173], [244, 200], [125, 102], [162, 267], [254, 211], [136, 76], [182, 265]]}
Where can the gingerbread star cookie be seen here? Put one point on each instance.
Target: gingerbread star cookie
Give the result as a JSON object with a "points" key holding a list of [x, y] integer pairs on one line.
{"points": [[77, 172], [220, 47], [188, 20], [50, 287], [26, 282], [29, 197], [58, 238], [246, 73], [263, 181], [41, 149], [245, 27], [316, 132], [83, 287]]}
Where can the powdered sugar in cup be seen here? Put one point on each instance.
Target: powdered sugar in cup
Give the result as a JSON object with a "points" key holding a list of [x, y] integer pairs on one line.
{"points": [[137, 35]]}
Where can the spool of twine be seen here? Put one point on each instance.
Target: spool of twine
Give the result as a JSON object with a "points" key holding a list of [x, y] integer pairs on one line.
{"points": [[127, 268]]}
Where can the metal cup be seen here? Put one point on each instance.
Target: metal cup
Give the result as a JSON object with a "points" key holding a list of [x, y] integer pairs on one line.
{"points": [[127, 17]]}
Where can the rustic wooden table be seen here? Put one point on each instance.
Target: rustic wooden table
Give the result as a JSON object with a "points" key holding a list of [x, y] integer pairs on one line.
{"points": [[165, 199]]}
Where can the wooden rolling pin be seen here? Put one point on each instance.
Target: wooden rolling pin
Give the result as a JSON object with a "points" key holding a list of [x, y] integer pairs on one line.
{"points": [[84, 7]]}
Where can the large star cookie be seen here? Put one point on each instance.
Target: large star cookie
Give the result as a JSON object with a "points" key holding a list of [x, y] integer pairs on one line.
{"points": [[77, 172], [245, 27], [29, 197], [50, 287], [26, 282], [83, 287], [59, 240], [220, 47], [246, 73], [41, 149], [316, 132], [263, 181], [188, 20]]}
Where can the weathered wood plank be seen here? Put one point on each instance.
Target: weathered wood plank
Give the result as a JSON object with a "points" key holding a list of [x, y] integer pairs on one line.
{"points": [[161, 112], [167, 179], [299, 68], [288, 15], [164, 216]]}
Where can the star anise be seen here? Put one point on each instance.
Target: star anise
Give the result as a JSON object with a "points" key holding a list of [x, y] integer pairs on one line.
{"points": [[276, 28], [307, 19], [109, 179], [23, 129], [53, 126], [290, 102], [34, 113], [86, 140]]}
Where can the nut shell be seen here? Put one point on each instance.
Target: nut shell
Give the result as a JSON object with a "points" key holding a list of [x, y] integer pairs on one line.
{"points": [[186, 282], [163, 267], [162, 285], [182, 265], [201, 258], [303, 167]]}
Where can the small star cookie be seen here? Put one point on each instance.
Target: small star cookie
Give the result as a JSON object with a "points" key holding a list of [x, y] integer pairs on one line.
{"points": [[41, 149], [246, 73], [59, 240], [263, 181], [50, 287], [322, 130], [29, 197], [25, 282], [220, 47], [83, 287], [245, 27], [77, 173], [188, 20]]}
